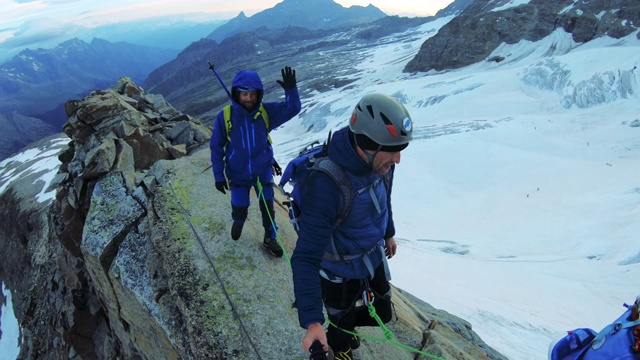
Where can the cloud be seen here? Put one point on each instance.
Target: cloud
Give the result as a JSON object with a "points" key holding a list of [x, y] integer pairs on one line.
{"points": [[48, 2], [43, 29], [40, 33]]}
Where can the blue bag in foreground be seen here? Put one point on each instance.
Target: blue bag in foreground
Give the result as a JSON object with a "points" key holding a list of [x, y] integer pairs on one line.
{"points": [[619, 340]]}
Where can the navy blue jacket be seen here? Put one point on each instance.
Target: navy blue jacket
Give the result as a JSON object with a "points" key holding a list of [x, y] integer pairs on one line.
{"points": [[360, 237], [249, 152]]}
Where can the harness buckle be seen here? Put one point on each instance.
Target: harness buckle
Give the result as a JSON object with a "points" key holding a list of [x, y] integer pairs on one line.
{"points": [[367, 297]]}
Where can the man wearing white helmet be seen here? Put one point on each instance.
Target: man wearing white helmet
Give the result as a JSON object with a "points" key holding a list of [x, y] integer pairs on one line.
{"points": [[333, 266]]}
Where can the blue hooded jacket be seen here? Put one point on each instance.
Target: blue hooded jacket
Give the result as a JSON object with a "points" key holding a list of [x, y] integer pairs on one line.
{"points": [[249, 152], [360, 237]]}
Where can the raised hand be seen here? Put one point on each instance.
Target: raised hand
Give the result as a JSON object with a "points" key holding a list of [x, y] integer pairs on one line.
{"points": [[288, 78]]}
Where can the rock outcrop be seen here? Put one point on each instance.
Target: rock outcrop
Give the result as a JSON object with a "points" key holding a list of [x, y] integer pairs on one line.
{"points": [[132, 260], [483, 25]]}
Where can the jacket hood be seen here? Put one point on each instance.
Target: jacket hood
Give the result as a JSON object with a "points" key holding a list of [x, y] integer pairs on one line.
{"points": [[249, 79], [342, 151]]}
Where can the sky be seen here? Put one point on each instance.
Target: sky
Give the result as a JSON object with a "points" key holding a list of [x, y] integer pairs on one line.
{"points": [[45, 23], [516, 204]]}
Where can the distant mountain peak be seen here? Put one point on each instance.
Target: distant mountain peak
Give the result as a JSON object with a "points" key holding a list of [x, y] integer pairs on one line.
{"points": [[309, 14], [72, 42]]}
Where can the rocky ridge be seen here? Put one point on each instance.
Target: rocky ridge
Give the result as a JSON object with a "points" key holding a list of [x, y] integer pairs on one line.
{"points": [[483, 25], [132, 260]]}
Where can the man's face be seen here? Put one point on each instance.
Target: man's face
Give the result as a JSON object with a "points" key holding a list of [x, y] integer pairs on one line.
{"points": [[384, 160], [248, 100]]}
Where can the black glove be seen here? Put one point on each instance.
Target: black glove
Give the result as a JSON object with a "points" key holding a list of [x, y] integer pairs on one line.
{"points": [[276, 168], [316, 351], [221, 186], [288, 78]]}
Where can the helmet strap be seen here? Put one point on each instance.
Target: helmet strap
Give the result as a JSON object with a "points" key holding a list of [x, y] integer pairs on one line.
{"points": [[366, 153], [370, 158]]}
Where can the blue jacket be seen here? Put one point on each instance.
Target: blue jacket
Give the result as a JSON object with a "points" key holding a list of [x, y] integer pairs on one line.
{"points": [[360, 237], [249, 152]]}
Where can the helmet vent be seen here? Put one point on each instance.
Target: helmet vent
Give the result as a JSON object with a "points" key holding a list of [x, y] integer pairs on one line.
{"points": [[370, 110], [386, 120]]}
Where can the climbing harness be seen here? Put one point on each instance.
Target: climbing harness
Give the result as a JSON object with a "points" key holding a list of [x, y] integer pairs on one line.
{"points": [[367, 297]]}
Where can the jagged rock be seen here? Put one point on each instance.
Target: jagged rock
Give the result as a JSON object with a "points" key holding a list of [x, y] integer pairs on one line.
{"points": [[147, 148], [125, 87], [100, 160], [124, 162], [135, 261]]}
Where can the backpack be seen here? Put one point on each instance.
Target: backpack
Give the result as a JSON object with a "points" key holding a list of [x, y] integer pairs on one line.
{"points": [[313, 157], [226, 111], [618, 340]]}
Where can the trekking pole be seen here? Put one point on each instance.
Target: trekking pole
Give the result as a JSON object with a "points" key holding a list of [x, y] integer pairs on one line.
{"points": [[219, 79], [317, 352]]}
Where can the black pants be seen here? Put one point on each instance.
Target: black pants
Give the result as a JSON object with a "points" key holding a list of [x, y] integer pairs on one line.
{"points": [[343, 296]]}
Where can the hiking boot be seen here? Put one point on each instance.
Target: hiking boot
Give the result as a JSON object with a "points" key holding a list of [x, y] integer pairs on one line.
{"points": [[355, 342], [272, 245], [236, 230], [343, 355]]}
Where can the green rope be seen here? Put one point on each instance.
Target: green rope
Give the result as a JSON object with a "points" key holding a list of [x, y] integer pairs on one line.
{"points": [[273, 223], [388, 334]]}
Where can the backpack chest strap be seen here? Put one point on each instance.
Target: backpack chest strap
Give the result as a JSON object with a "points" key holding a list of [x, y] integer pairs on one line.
{"points": [[228, 124]]}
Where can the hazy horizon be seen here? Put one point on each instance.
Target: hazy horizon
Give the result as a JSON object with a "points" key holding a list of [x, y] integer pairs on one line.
{"points": [[35, 25]]}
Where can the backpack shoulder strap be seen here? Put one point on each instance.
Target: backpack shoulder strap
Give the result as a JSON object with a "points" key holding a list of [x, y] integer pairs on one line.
{"points": [[339, 176], [265, 116], [226, 111], [228, 124]]}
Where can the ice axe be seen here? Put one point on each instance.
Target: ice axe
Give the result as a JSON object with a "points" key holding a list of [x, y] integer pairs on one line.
{"points": [[219, 79]]}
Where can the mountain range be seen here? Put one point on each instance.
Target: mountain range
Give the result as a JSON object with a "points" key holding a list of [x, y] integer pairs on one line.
{"points": [[309, 14], [35, 83], [189, 84], [475, 33]]}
